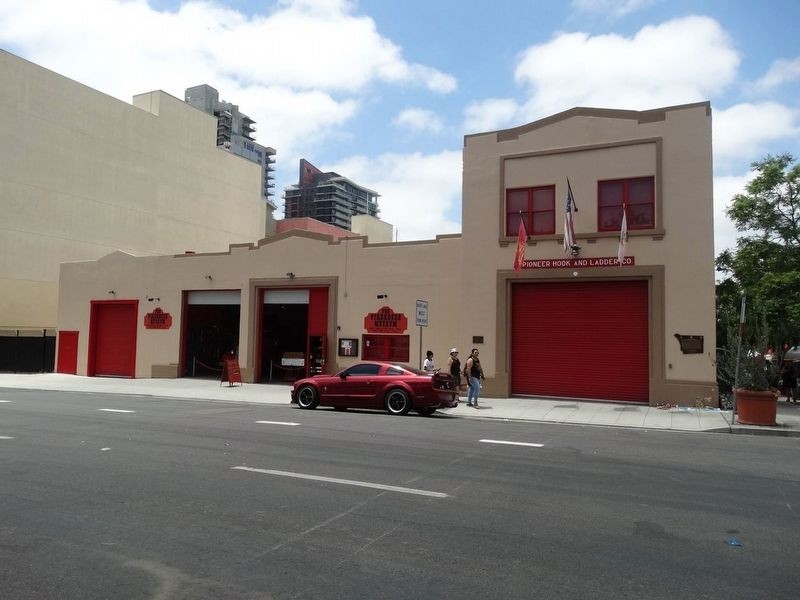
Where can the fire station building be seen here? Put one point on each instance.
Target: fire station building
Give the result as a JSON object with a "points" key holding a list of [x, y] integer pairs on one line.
{"points": [[570, 321]]}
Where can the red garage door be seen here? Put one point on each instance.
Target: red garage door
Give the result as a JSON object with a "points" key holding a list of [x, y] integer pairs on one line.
{"points": [[113, 339], [580, 340]]}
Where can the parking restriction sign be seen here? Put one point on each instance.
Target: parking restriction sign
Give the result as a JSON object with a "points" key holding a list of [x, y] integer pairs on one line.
{"points": [[422, 313]]}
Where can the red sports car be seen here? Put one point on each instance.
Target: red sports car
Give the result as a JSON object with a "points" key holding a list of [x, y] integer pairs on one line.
{"points": [[377, 385]]}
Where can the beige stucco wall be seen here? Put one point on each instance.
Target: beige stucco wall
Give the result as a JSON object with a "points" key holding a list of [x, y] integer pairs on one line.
{"points": [[83, 174], [586, 145], [377, 231]]}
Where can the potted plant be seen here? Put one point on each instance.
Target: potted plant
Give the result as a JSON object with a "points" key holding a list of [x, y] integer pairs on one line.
{"points": [[756, 398]]}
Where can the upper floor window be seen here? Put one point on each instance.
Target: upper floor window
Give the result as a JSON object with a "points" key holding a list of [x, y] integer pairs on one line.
{"points": [[535, 207], [638, 196]]}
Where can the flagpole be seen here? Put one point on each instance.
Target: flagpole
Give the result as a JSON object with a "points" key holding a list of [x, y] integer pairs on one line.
{"points": [[623, 235]]}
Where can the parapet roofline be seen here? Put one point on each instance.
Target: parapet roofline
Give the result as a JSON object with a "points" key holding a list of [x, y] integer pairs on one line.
{"points": [[641, 116]]}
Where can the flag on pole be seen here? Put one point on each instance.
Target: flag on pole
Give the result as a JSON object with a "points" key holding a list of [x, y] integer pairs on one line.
{"points": [[522, 241], [623, 236], [569, 228]]}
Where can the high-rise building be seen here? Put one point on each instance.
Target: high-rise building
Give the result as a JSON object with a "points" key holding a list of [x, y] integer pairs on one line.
{"points": [[235, 132], [328, 197]]}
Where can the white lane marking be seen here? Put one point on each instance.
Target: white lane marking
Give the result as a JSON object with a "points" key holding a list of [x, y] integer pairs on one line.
{"points": [[5, 437], [104, 449], [115, 410], [512, 443], [4, 401], [366, 484], [279, 423]]}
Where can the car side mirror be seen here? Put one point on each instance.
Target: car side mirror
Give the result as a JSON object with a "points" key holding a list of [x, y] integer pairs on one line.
{"points": [[343, 375]]}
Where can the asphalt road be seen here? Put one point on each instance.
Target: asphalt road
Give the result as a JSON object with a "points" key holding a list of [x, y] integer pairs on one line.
{"points": [[198, 500]]}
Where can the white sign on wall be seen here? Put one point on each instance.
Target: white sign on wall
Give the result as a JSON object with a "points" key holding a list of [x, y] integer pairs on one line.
{"points": [[422, 313]]}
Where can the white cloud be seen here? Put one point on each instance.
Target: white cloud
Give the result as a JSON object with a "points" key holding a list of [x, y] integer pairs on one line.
{"points": [[418, 191], [611, 8], [743, 130], [300, 70], [649, 70], [419, 119], [781, 71], [291, 121], [491, 114], [304, 44], [725, 188]]}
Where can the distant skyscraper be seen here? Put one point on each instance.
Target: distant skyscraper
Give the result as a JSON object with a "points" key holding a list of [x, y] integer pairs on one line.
{"points": [[328, 197], [235, 132]]}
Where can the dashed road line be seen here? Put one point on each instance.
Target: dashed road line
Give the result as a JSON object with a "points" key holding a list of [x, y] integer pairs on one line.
{"points": [[5, 437], [512, 443], [279, 423], [366, 484], [115, 410]]}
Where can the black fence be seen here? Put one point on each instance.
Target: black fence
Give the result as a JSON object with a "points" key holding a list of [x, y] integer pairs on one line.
{"points": [[27, 350]]}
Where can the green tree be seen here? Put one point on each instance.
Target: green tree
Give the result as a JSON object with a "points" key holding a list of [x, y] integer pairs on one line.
{"points": [[766, 262]]}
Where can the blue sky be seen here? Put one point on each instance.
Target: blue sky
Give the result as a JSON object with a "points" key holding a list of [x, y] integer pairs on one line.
{"points": [[383, 91]]}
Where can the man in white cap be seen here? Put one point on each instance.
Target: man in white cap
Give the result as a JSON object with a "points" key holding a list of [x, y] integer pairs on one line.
{"points": [[454, 367]]}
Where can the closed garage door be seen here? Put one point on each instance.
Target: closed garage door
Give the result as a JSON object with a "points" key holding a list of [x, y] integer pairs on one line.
{"points": [[580, 340], [114, 339]]}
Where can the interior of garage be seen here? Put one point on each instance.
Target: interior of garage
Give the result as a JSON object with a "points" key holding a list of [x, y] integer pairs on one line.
{"points": [[212, 332]]}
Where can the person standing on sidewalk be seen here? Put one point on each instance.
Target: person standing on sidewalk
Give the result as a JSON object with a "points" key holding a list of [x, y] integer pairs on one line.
{"points": [[474, 371], [454, 368], [427, 366], [789, 375]]}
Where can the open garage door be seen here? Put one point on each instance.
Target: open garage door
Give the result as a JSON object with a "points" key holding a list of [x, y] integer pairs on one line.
{"points": [[210, 331], [581, 340]]}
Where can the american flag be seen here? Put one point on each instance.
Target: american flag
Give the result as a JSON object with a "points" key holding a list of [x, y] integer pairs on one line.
{"points": [[623, 237], [569, 229]]}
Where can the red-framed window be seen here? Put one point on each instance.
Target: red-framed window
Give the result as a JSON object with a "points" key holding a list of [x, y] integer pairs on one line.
{"points": [[637, 194], [387, 348], [536, 206]]}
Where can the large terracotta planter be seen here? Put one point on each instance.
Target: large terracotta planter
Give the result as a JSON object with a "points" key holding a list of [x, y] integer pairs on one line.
{"points": [[756, 408]]}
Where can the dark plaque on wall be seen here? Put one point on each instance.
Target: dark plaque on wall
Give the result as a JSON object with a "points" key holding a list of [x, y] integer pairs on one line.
{"points": [[690, 344], [477, 339]]}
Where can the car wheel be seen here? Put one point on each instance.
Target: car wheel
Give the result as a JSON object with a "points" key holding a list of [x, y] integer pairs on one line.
{"points": [[397, 402], [307, 397], [426, 412]]}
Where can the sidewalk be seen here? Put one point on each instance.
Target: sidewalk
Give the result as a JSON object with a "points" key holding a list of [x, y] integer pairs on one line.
{"points": [[564, 411]]}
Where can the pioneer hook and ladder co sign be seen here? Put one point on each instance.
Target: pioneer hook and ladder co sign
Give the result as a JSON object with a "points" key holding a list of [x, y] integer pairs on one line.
{"points": [[575, 263]]}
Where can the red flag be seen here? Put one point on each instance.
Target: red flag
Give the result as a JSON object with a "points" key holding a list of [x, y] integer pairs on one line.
{"points": [[522, 241]]}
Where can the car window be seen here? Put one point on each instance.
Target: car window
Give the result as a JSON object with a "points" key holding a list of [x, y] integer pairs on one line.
{"points": [[364, 370], [395, 371], [417, 371]]}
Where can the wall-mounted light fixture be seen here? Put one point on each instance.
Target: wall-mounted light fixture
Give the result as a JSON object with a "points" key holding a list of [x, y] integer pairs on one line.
{"points": [[382, 296], [154, 298], [209, 278], [112, 292], [290, 275], [575, 250]]}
